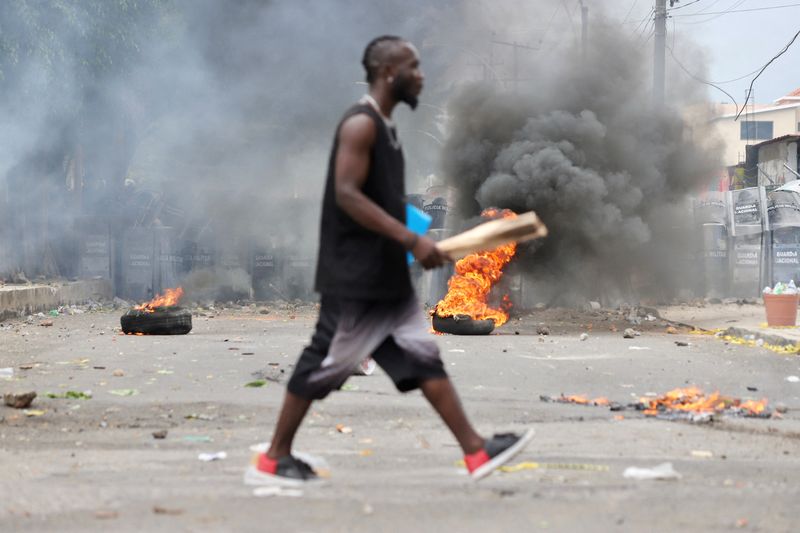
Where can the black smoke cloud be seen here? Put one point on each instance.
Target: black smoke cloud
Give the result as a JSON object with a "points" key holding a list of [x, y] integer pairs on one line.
{"points": [[584, 147]]}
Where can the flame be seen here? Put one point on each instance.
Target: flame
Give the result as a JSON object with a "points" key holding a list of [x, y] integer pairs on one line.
{"points": [[692, 399], [475, 274], [169, 298]]}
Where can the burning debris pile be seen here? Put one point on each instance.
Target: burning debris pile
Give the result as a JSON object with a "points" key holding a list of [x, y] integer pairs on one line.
{"points": [[689, 403], [160, 316], [465, 308]]}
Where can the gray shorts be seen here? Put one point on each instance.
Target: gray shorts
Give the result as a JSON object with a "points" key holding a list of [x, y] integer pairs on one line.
{"points": [[394, 332]]}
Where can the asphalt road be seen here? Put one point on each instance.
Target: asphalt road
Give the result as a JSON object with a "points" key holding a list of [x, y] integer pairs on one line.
{"points": [[93, 464]]}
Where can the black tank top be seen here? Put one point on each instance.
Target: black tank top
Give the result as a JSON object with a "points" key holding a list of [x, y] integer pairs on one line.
{"points": [[353, 261]]}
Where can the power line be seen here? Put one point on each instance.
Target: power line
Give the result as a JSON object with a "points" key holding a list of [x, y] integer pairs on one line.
{"points": [[714, 16], [684, 5], [738, 10], [705, 82], [633, 5], [779, 54]]}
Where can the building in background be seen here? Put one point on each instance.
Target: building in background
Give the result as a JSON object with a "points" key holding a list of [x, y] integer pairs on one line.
{"points": [[759, 122]]}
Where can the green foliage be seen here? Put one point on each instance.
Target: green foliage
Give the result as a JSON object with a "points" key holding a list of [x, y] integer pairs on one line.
{"points": [[50, 47]]}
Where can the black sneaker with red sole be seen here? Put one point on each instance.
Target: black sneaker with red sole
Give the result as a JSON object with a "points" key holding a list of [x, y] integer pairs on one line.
{"points": [[496, 452]]}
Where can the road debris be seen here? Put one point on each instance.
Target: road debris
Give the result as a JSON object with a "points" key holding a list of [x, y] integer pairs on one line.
{"points": [[124, 392], [157, 509], [630, 333], [690, 404], [216, 456], [160, 434], [664, 471], [197, 438], [19, 401], [6, 373], [71, 395], [542, 329], [256, 384], [702, 454], [793, 379], [341, 428], [584, 336]]}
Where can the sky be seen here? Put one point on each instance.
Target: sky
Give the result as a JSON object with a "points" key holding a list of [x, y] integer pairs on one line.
{"points": [[734, 44]]}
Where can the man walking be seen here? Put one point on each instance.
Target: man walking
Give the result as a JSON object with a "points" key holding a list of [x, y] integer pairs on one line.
{"points": [[368, 305]]}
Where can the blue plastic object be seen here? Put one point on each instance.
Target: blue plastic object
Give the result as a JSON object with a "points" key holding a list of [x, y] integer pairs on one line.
{"points": [[418, 222]]}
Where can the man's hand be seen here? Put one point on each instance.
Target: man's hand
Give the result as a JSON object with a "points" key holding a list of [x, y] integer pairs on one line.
{"points": [[428, 254]]}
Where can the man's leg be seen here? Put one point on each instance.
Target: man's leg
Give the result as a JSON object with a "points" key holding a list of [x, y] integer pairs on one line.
{"points": [[443, 397], [293, 411]]}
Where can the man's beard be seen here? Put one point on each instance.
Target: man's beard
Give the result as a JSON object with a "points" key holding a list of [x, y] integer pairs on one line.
{"points": [[401, 91]]}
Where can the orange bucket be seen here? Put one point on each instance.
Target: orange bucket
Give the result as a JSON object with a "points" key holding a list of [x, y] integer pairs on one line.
{"points": [[781, 309]]}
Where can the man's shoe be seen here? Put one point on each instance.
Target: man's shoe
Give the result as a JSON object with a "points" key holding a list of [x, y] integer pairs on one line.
{"points": [[288, 471], [496, 452]]}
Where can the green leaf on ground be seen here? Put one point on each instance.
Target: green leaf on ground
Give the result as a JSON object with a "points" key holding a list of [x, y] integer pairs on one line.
{"points": [[71, 395], [256, 383], [124, 392]]}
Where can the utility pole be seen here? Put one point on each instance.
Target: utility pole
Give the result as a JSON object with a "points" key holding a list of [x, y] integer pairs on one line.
{"points": [[584, 29], [659, 51]]}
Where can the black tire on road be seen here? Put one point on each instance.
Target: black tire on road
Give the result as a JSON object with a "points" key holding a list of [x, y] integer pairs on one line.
{"points": [[163, 321], [461, 325]]}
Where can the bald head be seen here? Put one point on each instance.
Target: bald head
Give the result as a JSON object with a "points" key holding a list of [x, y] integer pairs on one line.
{"points": [[383, 51]]}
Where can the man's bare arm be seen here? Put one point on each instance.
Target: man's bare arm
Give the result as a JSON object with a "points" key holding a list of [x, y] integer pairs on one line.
{"points": [[356, 137]]}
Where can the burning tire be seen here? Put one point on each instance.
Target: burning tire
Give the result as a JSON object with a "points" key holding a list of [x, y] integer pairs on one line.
{"points": [[461, 325], [160, 321]]}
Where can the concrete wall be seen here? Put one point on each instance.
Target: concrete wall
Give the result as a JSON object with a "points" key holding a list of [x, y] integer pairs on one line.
{"points": [[16, 300]]}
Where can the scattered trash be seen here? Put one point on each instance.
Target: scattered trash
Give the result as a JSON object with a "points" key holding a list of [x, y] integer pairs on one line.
{"points": [[197, 438], [456, 350], [208, 457], [542, 329], [752, 389], [664, 471], [118, 373], [630, 333], [702, 454], [365, 452], [594, 306], [584, 336], [157, 509], [160, 434], [792, 379], [46, 323], [201, 416], [124, 392], [638, 348], [349, 387], [341, 428], [165, 372], [34, 412], [742, 523], [672, 330], [71, 395], [6, 373], [106, 514], [19, 401], [576, 399], [255, 384], [277, 491], [781, 408], [681, 343], [781, 288], [53, 312]]}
